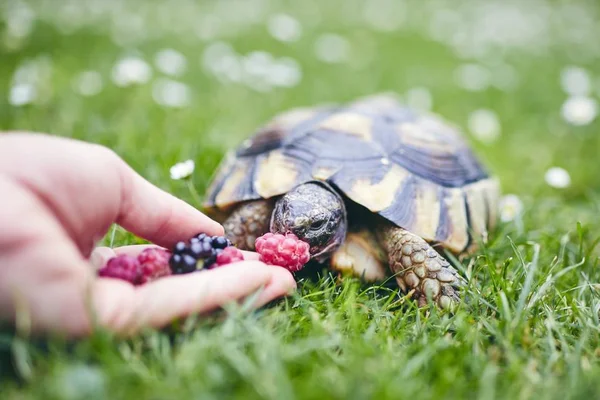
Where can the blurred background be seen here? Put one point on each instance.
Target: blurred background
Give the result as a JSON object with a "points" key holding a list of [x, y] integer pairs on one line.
{"points": [[165, 81]]}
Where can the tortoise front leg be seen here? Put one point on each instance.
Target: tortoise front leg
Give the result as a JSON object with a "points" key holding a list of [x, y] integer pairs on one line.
{"points": [[419, 267], [247, 222], [361, 255]]}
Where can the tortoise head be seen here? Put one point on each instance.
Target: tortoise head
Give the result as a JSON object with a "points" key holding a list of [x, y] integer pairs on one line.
{"points": [[316, 214]]}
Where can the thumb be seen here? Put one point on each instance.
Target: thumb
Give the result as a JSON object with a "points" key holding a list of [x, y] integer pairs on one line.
{"points": [[156, 215]]}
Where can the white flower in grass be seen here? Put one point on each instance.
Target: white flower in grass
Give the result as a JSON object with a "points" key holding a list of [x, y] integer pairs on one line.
{"points": [[88, 83], [579, 110], [131, 70], [332, 48], [170, 62], [258, 63], [31, 81], [575, 81], [558, 178], [284, 28], [214, 54], [221, 60], [22, 94], [169, 93], [285, 72], [484, 125], [511, 207], [182, 170]]}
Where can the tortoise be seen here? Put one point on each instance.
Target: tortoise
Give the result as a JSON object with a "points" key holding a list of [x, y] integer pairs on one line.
{"points": [[372, 185]]}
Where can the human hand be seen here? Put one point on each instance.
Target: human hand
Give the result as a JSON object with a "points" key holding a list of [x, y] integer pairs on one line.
{"points": [[59, 198]]}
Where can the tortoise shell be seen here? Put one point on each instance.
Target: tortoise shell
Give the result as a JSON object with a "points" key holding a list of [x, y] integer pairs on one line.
{"points": [[410, 167]]}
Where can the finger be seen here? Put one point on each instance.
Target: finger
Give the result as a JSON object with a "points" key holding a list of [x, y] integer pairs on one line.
{"points": [[156, 215], [134, 249], [100, 190], [125, 309], [101, 255], [250, 255]]}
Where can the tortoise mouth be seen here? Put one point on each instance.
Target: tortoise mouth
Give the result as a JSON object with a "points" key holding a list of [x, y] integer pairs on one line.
{"points": [[317, 252], [278, 226]]}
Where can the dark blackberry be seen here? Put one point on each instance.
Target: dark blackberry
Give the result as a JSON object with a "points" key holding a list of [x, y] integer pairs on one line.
{"points": [[175, 262], [182, 264], [210, 260], [219, 242], [201, 236], [188, 264], [179, 248], [200, 253], [206, 239], [200, 249]]}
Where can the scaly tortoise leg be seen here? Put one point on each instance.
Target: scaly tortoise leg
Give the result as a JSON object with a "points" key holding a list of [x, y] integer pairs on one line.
{"points": [[247, 222], [419, 267]]}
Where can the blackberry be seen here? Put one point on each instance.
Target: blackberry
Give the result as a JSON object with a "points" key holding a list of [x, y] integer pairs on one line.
{"points": [[179, 248], [212, 259], [202, 251], [175, 262], [201, 236], [219, 242], [182, 263]]}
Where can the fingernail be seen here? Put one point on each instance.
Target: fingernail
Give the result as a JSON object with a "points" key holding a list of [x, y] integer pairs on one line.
{"points": [[100, 256]]}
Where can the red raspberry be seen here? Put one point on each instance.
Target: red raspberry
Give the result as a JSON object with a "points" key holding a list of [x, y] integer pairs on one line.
{"points": [[154, 264], [286, 251], [229, 255], [123, 267]]}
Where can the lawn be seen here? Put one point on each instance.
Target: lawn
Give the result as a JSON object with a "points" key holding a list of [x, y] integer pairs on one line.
{"points": [[163, 82]]}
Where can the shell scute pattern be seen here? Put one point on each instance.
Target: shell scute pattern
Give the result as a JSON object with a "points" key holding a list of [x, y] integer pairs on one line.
{"points": [[414, 169]]}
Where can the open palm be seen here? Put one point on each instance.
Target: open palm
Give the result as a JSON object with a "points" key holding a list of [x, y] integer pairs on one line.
{"points": [[59, 198]]}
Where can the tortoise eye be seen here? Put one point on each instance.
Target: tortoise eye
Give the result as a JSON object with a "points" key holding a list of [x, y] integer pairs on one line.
{"points": [[317, 225]]}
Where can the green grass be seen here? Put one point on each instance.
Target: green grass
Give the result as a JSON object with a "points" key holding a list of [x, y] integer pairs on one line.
{"points": [[529, 327]]}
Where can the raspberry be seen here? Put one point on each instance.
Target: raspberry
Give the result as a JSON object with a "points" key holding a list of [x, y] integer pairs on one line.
{"points": [[154, 264], [123, 267], [286, 251], [229, 255]]}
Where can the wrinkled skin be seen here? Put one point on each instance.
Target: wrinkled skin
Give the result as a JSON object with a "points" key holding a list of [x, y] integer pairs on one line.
{"points": [[316, 214]]}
